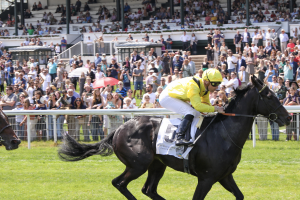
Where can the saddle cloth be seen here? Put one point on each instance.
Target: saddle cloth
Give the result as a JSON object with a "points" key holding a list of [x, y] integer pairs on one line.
{"points": [[165, 144]]}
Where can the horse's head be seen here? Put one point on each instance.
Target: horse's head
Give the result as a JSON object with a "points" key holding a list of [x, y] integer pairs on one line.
{"points": [[8, 138], [268, 105]]}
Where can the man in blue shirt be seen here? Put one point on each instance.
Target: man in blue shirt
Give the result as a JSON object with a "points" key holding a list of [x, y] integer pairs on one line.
{"points": [[177, 63], [169, 42], [10, 73], [63, 44], [126, 8], [97, 59]]}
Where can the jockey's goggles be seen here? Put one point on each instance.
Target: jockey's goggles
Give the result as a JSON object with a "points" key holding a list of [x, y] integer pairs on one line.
{"points": [[215, 84]]}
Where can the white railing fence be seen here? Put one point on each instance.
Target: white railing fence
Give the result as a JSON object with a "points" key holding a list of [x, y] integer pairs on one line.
{"points": [[85, 49], [49, 124]]}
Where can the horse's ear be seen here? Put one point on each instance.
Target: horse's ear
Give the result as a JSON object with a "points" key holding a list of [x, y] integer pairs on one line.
{"points": [[256, 82]]}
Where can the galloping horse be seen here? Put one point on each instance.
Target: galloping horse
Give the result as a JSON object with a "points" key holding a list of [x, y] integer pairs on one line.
{"points": [[214, 157], [8, 138]]}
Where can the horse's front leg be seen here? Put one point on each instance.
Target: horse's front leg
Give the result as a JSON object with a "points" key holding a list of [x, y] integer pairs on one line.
{"points": [[229, 184], [202, 189]]}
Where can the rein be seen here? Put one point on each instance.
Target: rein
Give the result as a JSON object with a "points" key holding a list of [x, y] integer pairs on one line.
{"points": [[259, 97]]}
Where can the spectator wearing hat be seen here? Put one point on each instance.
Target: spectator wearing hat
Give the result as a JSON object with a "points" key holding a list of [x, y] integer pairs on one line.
{"points": [[177, 63], [103, 56], [284, 38], [129, 38], [97, 59]]}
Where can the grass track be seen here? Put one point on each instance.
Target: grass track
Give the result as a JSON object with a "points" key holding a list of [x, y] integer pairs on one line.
{"points": [[270, 171]]}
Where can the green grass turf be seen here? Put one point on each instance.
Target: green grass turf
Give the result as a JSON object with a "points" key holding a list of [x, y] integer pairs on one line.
{"points": [[269, 171]]}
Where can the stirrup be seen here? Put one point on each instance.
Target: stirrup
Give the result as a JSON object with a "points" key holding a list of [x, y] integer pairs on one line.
{"points": [[184, 142]]}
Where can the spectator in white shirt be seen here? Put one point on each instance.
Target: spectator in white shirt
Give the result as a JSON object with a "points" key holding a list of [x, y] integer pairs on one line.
{"points": [[284, 38], [150, 93], [254, 49], [231, 61], [47, 79], [233, 83], [99, 74], [185, 39]]}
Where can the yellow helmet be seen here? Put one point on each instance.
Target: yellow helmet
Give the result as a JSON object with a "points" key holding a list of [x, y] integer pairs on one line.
{"points": [[212, 75]]}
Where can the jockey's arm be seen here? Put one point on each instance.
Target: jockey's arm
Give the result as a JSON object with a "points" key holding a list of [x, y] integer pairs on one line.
{"points": [[201, 104]]}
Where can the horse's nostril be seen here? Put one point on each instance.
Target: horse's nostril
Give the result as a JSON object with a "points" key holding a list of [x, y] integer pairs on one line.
{"points": [[17, 142], [289, 118]]}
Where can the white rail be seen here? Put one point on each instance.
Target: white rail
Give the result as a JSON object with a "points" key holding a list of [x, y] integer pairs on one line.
{"points": [[131, 112]]}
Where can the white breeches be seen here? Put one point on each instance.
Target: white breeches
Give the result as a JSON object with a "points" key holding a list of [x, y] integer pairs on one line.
{"points": [[176, 105]]}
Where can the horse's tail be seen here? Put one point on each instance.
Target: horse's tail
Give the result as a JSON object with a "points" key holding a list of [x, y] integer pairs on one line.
{"points": [[71, 150]]}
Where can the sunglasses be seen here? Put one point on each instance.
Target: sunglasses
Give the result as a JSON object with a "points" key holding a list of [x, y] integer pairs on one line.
{"points": [[130, 92], [215, 84], [78, 100]]}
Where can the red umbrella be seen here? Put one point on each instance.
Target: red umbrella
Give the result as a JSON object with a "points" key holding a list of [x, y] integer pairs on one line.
{"points": [[103, 82]]}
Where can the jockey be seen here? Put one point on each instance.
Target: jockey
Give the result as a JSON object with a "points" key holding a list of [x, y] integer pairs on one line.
{"points": [[195, 90]]}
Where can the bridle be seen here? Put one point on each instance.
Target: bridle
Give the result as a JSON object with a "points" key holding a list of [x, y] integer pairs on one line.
{"points": [[270, 116], [272, 113]]}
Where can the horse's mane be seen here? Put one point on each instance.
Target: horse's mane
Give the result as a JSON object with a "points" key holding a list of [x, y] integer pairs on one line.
{"points": [[239, 93]]}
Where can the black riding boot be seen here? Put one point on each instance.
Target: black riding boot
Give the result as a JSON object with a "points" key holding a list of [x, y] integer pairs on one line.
{"points": [[185, 123]]}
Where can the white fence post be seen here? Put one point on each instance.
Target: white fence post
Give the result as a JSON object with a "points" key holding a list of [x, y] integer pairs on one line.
{"points": [[54, 128], [47, 127], [132, 115], [297, 126], [70, 55], [253, 133], [111, 48], [28, 131]]}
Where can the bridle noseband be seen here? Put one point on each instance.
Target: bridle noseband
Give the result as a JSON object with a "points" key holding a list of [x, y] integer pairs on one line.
{"points": [[272, 113]]}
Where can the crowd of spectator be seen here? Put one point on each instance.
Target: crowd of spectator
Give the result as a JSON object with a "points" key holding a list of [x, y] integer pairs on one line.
{"points": [[207, 12]]}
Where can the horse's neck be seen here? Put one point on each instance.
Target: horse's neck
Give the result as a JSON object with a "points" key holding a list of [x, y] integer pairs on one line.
{"points": [[241, 126]]}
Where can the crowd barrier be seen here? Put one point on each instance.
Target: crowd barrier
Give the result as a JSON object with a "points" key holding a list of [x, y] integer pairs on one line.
{"points": [[51, 124]]}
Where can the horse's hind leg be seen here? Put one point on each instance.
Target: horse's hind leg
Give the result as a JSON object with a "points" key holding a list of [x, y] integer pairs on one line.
{"points": [[125, 178], [155, 172], [229, 184]]}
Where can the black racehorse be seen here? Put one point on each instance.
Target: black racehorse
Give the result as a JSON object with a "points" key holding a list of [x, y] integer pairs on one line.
{"points": [[8, 138], [214, 157]]}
